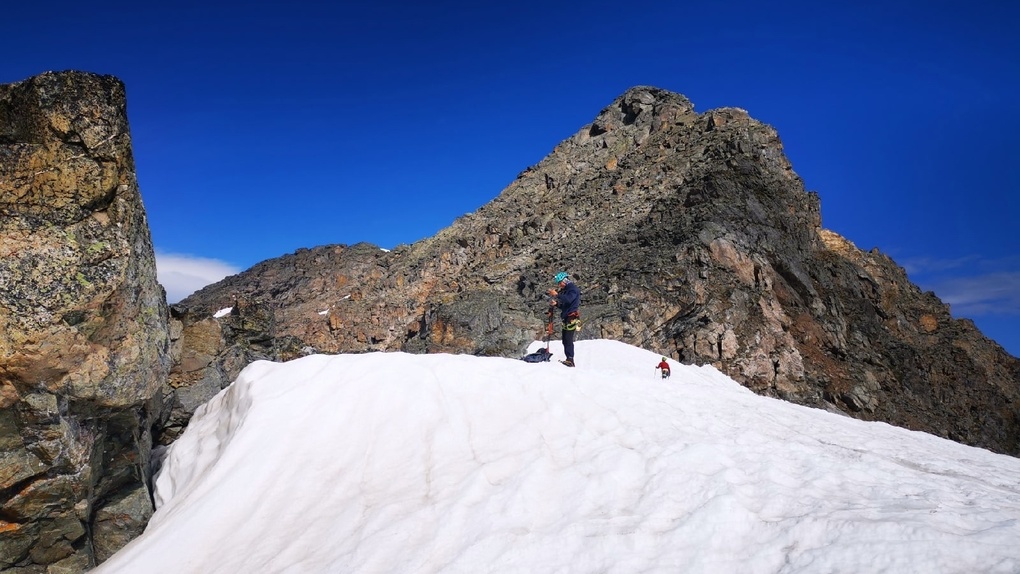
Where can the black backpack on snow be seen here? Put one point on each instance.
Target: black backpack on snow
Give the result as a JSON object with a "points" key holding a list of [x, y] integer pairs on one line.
{"points": [[540, 356]]}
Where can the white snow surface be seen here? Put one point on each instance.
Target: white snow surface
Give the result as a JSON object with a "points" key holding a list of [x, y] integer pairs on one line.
{"points": [[223, 312], [394, 463]]}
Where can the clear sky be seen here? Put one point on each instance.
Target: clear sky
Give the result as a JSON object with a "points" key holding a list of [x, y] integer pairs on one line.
{"points": [[420, 464], [263, 127]]}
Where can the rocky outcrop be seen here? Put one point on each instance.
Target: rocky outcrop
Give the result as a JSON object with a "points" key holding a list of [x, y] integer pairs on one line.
{"points": [[690, 234], [84, 345]]}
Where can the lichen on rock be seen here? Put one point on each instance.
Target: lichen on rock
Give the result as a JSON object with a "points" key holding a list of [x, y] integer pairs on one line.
{"points": [[84, 345]]}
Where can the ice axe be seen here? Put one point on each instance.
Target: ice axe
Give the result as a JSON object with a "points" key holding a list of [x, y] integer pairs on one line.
{"points": [[548, 328]]}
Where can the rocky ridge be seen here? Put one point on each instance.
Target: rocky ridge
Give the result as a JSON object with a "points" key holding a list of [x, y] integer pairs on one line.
{"points": [[689, 233], [84, 346]]}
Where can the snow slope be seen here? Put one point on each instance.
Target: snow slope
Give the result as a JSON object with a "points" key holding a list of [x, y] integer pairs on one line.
{"points": [[390, 462]]}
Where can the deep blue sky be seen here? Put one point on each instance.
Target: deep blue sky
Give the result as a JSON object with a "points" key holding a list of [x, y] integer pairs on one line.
{"points": [[263, 127]]}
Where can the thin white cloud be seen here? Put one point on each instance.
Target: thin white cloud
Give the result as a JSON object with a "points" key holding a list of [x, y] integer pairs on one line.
{"points": [[182, 275], [922, 265], [972, 286], [977, 295]]}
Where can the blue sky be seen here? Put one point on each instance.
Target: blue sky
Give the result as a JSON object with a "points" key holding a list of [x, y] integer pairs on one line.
{"points": [[260, 128]]}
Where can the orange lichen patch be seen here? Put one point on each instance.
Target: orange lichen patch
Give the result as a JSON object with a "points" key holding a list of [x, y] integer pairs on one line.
{"points": [[929, 323], [9, 527], [611, 164], [8, 394], [837, 243], [441, 332], [178, 380], [335, 321]]}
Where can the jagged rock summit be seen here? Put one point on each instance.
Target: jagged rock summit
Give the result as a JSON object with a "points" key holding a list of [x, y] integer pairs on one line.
{"points": [[84, 345], [689, 233]]}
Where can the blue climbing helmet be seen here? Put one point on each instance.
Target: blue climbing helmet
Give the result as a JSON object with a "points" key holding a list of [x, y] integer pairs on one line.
{"points": [[560, 276]]}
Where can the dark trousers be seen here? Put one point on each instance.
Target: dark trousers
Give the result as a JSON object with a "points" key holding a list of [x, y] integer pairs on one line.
{"points": [[568, 343]]}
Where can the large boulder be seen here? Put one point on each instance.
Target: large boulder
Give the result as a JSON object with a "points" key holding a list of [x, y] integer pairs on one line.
{"points": [[84, 345]]}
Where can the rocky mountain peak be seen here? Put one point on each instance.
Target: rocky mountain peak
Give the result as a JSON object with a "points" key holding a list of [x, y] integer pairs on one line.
{"points": [[642, 109], [690, 234]]}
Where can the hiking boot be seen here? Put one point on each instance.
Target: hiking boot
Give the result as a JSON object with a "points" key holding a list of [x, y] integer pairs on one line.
{"points": [[568, 362]]}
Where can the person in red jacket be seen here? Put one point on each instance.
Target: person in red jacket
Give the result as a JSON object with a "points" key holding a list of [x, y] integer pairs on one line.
{"points": [[664, 367]]}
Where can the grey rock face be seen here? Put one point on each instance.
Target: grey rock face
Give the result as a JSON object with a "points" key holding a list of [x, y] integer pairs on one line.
{"points": [[689, 234], [83, 324]]}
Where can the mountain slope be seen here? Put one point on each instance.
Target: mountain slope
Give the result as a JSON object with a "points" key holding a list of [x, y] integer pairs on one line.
{"points": [[391, 462], [689, 234]]}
